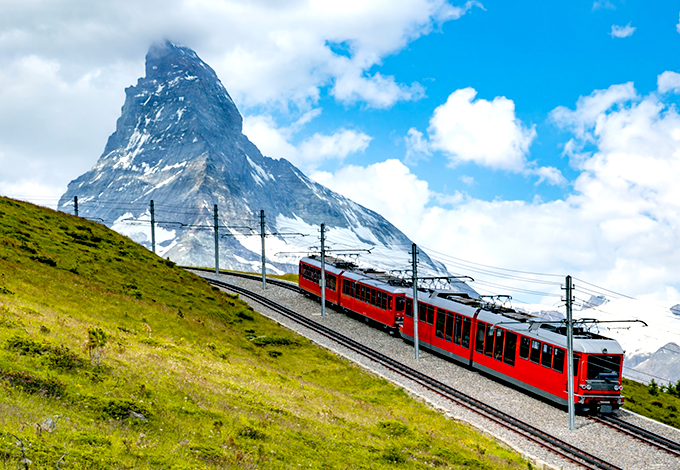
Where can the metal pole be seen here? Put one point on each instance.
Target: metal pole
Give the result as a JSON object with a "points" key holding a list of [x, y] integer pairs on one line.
{"points": [[416, 342], [153, 227], [75, 204], [217, 244], [264, 259], [570, 355], [323, 270]]}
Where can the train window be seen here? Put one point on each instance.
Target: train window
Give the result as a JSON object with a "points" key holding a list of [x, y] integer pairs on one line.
{"points": [[546, 356], [331, 282], [362, 293], [345, 286], [421, 311], [449, 326], [398, 303], [510, 348], [430, 315], [378, 299], [524, 343], [387, 302], [498, 345], [488, 343], [479, 339], [577, 359], [373, 296], [457, 330], [353, 289], [535, 351], [441, 323], [558, 360], [605, 368], [408, 307], [466, 333]]}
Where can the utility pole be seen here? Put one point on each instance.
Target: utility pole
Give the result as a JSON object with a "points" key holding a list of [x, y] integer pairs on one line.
{"points": [[217, 244], [153, 226], [75, 204], [323, 270], [414, 261], [570, 354], [264, 259]]}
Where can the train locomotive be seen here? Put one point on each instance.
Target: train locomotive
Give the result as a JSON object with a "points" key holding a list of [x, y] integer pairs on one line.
{"points": [[509, 345]]}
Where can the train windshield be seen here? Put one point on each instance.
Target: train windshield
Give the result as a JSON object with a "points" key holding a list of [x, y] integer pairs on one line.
{"points": [[604, 368]]}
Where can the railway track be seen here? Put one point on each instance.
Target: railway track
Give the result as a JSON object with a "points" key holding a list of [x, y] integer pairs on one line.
{"points": [[528, 431], [642, 434]]}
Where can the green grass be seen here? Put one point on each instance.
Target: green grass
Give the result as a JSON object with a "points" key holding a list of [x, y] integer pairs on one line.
{"points": [[660, 406], [190, 377]]}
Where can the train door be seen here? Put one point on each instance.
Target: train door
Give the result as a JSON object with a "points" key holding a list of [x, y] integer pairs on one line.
{"points": [[425, 322]]}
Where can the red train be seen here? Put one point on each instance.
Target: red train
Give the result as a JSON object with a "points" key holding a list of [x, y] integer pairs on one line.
{"points": [[507, 344]]}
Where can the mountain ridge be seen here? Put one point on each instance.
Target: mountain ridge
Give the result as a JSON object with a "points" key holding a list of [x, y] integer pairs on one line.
{"points": [[179, 142]]}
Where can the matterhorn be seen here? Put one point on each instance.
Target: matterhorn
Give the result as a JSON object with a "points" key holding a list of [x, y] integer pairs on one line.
{"points": [[179, 143]]}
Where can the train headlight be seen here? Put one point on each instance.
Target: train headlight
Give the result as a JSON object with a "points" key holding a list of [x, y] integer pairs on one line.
{"points": [[588, 387], [582, 386]]}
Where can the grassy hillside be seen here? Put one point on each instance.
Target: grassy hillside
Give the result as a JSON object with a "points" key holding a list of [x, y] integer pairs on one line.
{"points": [[653, 402], [188, 377]]}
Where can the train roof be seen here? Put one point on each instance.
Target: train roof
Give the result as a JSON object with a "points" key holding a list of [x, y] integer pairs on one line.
{"points": [[461, 301]]}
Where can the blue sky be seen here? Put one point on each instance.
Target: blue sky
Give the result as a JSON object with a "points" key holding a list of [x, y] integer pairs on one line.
{"points": [[535, 136]]}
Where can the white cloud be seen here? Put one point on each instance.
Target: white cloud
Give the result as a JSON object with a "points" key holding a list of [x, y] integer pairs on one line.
{"points": [[622, 31], [417, 146], [603, 5], [64, 65], [618, 228], [484, 132], [668, 81], [311, 152], [549, 174], [591, 108], [388, 188]]}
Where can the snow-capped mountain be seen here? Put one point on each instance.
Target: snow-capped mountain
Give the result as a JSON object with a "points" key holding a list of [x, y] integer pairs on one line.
{"points": [[179, 142]]}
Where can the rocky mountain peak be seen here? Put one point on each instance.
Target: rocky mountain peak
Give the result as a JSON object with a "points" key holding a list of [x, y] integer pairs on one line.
{"points": [[179, 142]]}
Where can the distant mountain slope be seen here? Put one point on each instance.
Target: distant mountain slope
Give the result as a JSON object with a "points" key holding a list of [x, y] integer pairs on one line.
{"points": [[189, 376], [179, 142]]}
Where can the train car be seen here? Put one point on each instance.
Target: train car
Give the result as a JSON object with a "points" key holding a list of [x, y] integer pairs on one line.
{"points": [[517, 348], [373, 297], [365, 292], [509, 345], [309, 279]]}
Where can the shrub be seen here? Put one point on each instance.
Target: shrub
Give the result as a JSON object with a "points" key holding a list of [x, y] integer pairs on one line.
{"points": [[272, 341], [395, 428], [393, 455], [36, 385], [96, 340], [44, 260], [123, 409], [59, 357], [653, 388], [252, 433]]}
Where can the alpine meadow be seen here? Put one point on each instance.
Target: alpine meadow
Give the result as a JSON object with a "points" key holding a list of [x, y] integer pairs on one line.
{"points": [[114, 358]]}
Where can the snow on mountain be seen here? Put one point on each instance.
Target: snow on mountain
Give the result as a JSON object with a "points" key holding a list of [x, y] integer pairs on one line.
{"points": [[179, 142]]}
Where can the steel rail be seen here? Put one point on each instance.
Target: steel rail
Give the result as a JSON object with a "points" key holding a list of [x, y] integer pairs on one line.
{"points": [[640, 433], [554, 444], [252, 277]]}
